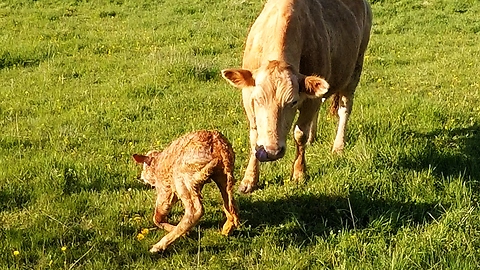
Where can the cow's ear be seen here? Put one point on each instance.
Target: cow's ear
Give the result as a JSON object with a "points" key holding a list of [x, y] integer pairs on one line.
{"points": [[239, 77], [313, 86], [142, 159]]}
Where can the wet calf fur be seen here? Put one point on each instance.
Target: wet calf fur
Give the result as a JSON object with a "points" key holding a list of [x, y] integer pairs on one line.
{"points": [[179, 173]]}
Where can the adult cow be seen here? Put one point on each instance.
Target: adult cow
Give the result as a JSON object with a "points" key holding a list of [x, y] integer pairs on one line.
{"points": [[293, 49]]}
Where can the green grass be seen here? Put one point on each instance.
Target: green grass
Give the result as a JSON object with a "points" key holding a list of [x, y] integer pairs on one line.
{"points": [[85, 84]]}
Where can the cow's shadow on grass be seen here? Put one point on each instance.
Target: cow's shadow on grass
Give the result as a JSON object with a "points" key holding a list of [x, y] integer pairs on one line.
{"points": [[448, 153], [303, 217]]}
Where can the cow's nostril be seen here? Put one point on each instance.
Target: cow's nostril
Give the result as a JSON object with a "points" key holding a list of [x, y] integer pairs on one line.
{"points": [[260, 153], [276, 153], [267, 154]]}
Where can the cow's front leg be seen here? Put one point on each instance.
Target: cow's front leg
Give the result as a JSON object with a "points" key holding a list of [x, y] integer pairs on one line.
{"points": [[344, 110], [250, 179], [299, 167], [302, 133]]}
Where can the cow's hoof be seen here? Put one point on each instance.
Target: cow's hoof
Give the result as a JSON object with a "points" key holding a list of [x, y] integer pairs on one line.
{"points": [[299, 177], [337, 151], [338, 148], [246, 188]]}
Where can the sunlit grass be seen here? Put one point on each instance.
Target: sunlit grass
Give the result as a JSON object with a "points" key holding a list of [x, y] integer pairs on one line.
{"points": [[84, 85]]}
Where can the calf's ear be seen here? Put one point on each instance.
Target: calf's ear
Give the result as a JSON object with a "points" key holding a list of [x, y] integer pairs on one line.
{"points": [[313, 86], [142, 159], [239, 78]]}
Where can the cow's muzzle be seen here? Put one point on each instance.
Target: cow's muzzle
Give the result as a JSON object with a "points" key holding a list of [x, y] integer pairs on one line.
{"points": [[264, 155]]}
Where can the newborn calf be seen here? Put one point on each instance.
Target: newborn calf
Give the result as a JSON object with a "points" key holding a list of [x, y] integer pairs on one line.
{"points": [[180, 171]]}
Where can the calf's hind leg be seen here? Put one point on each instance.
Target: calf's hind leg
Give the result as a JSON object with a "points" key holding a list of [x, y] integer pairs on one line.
{"points": [[225, 185]]}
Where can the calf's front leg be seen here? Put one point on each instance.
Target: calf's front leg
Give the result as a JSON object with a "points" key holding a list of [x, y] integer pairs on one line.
{"points": [[162, 208], [193, 212], [166, 198]]}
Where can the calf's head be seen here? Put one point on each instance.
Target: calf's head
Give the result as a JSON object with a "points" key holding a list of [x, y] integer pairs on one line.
{"points": [[271, 96], [148, 162]]}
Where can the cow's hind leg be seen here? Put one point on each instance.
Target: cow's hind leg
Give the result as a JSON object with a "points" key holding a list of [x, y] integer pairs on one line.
{"points": [[312, 136], [344, 105], [344, 110]]}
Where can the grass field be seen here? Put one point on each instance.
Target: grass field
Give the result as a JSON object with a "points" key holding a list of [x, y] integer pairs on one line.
{"points": [[85, 84]]}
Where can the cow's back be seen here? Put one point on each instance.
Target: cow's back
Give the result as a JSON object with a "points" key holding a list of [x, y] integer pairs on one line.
{"points": [[322, 37]]}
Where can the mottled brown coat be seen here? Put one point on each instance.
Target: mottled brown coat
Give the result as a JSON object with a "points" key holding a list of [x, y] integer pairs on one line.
{"points": [[180, 171]]}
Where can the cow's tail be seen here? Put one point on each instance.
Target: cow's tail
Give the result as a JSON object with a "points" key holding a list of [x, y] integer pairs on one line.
{"points": [[335, 104]]}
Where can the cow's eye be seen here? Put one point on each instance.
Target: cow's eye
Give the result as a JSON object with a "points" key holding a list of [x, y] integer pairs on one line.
{"points": [[293, 103]]}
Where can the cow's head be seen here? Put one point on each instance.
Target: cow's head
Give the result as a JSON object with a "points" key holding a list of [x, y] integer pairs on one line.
{"points": [[271, 95]]}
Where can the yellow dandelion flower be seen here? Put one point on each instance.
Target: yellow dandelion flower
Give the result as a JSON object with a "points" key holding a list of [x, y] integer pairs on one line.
{"points": [[140, 236], [64, 248], [145, 231], [16, 253]]}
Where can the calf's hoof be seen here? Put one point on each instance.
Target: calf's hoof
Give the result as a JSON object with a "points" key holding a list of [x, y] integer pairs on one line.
{"points": [[227, 228], [155, 249]]}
